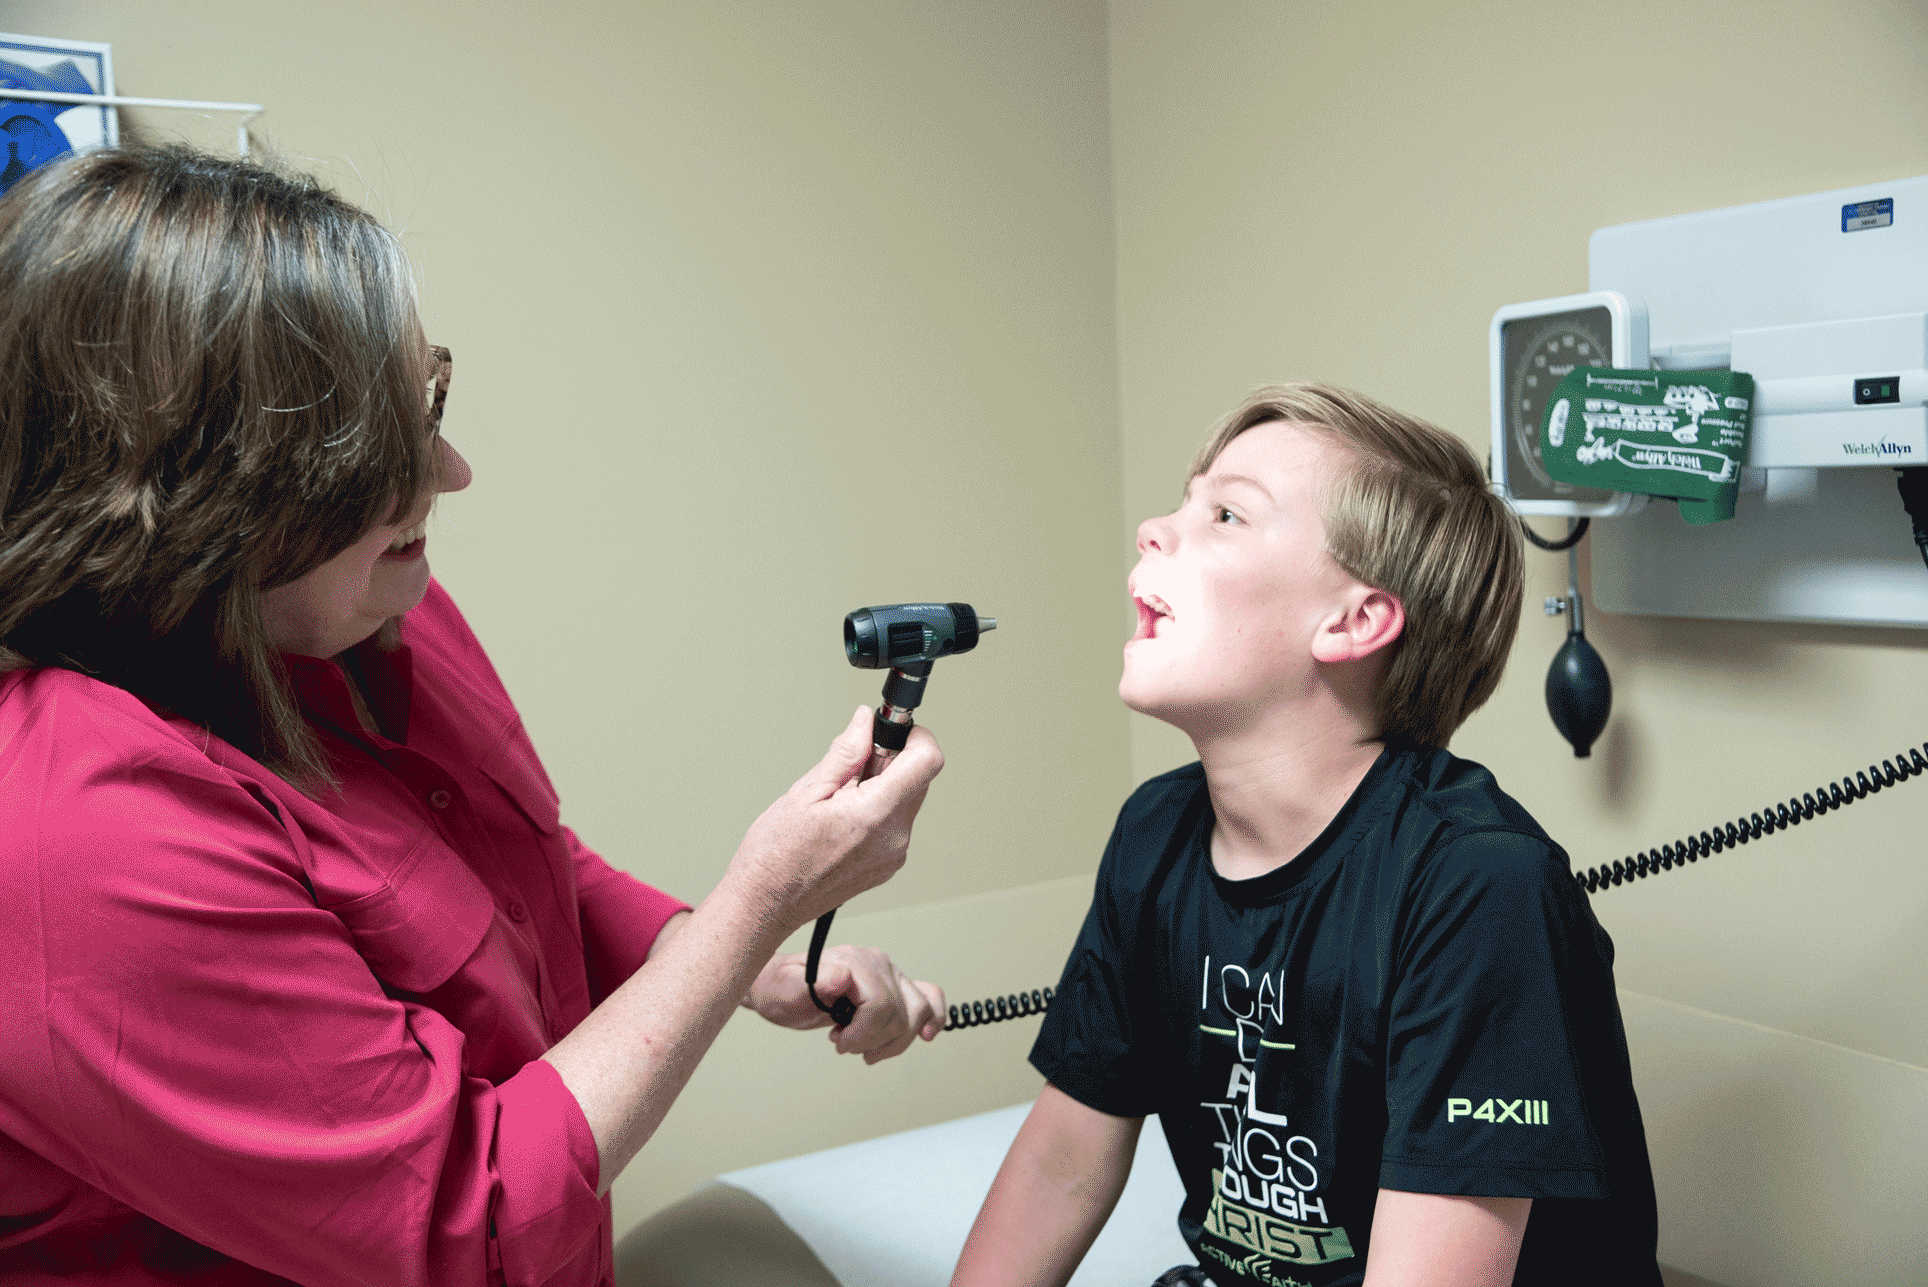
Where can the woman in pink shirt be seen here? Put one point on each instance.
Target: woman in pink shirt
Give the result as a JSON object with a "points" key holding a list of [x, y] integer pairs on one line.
{"points": [[301, 977]]}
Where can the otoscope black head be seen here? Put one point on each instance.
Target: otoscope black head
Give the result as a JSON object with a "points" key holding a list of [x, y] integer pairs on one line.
{"points": [[899, 634]]}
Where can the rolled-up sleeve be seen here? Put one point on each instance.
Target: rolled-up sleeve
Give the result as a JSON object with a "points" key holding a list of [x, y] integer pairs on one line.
{"points": [[548, 1208]]}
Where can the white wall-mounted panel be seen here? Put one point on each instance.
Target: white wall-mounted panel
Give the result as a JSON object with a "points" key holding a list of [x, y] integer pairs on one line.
{"points": [[1847, 554], [1838, 551]]}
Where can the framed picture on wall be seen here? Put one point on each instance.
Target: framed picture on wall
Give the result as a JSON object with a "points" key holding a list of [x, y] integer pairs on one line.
{"points": [[37, 132]]}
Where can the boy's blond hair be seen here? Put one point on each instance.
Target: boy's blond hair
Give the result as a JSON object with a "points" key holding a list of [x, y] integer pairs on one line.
{"points": [[1412, 516]]}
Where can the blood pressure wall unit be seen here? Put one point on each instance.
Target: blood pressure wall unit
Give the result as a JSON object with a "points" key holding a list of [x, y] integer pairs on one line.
{"points": [[1823, 299], [1533, 346]]}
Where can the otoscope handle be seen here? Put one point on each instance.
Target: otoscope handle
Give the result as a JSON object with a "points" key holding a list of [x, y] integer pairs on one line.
{"points": [[889, 731], [890, 727]]}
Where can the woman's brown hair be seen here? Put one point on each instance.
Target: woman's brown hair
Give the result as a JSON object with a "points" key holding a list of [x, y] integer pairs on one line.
{"points": [[1412, 515], [213, 384]]}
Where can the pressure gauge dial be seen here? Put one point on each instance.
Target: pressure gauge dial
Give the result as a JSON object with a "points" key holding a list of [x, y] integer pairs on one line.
{"points": [[1540, 352], [1533, 346]]}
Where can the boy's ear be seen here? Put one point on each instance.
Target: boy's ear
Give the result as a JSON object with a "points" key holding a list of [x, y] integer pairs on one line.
{"points": [[1368, 621]]}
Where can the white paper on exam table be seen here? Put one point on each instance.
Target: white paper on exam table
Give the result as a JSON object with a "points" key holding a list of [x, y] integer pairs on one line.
{"points": [[894, 1212]]}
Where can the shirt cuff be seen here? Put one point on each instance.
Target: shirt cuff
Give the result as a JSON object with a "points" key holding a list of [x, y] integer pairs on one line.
{"points": [[546, 1209], [1490, 1180]]}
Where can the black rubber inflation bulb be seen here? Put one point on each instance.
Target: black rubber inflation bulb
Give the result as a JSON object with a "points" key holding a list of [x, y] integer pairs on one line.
{"points": [[1579, 694]]}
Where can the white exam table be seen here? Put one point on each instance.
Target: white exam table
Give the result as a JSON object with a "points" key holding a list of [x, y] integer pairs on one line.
{"points": [[889, 1212]]}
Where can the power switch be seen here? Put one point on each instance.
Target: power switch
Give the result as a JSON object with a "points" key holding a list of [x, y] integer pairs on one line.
{"points": [[1876, 388]]}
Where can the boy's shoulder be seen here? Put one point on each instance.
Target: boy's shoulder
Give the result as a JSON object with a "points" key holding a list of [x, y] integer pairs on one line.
{"points": [[1178, 787], [1459, 792], [1156, 824], [1456, 839]]}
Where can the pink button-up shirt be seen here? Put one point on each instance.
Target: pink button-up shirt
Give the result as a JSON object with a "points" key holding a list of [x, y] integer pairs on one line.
{"points": [[246, 1035]]}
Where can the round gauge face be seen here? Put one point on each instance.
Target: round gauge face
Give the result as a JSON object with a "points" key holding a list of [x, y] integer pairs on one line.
{"points": [[1540, 351]]}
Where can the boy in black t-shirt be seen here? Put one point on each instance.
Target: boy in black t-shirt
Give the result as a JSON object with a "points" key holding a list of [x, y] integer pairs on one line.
{"points": [[1352, 977]]}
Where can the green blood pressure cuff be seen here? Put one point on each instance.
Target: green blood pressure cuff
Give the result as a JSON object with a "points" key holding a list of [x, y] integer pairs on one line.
{"points": [[1677, 434]]}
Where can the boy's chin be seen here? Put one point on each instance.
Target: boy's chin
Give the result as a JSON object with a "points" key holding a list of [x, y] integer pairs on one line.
{"points": [[1134, 698], [1202, 718], [1165, 707]]}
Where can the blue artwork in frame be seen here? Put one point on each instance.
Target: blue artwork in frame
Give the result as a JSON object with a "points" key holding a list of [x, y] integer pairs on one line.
{"points": [[37, 132]]}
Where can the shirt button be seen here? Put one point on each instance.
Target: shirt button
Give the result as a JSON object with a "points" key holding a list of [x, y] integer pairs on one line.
{"points": [[517, 912], [439, 799]]}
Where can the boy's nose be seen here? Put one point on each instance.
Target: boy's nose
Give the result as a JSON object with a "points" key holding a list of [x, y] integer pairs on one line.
{"points": [[1155, 534]]}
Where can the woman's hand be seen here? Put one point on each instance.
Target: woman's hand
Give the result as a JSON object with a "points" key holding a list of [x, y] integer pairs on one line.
{"points": [[831, 837], [893, 1009], [827, 840]]}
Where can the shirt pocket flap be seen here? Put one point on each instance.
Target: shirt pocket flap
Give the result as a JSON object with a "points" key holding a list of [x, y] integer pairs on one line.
{"points": [[518, 773], [418, 928]]}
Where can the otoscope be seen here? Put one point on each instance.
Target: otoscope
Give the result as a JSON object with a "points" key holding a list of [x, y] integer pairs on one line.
{"points": [[909, 638]]}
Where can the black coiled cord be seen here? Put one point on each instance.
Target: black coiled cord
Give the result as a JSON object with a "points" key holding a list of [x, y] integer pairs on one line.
{"points": [[1566, 542], [1833, 795], [1018, 1005]]}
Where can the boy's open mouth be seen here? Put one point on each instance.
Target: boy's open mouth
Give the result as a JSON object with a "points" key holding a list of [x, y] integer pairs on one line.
{"points": [[1151, 610]]}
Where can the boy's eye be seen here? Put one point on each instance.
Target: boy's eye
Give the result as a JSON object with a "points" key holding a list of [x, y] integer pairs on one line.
{"points": [[1222, 515]]}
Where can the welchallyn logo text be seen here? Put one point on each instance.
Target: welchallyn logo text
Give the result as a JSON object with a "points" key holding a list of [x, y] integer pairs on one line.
{"points": [[1877, 449]]}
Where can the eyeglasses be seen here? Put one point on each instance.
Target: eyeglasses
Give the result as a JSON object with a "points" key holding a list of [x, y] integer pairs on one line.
{"points": [[437, 388]]}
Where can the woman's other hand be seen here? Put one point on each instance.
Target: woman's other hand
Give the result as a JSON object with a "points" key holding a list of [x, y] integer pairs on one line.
{"points": [[893, 1009], [831, 836]]}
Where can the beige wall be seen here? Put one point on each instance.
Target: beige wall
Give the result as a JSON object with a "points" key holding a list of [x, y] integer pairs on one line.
{"points": [[763, 311], [1347, 193]]}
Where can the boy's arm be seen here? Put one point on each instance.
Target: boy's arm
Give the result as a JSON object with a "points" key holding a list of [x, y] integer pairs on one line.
{"points": [[1443, 1241], [1053, 1194]]}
